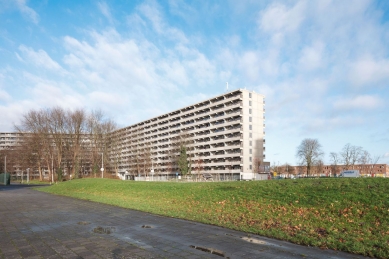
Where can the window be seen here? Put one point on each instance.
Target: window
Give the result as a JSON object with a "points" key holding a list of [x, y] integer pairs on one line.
{"points": [[251, 135], [250, 127], [251, 151], [251, 143], [250, 111], [250, 119], [251, 167], [250, 103], [251, 159], [250, 95]]}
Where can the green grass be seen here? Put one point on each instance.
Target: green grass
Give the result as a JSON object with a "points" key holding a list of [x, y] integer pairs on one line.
{"points": [[350, 215], [30, 182]]}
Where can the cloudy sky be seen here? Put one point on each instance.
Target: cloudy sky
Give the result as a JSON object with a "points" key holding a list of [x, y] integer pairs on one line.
{"points": [[323, 65]]}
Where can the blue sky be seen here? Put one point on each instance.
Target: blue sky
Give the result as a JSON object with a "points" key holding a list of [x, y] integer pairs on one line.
{"points": [[323, 65]]}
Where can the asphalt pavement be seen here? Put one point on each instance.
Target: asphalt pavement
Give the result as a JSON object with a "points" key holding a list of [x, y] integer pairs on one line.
{"points": [[34, 224]]}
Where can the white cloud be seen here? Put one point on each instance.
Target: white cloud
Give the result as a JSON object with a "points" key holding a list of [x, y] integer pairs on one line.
{"points": [[361, 102], [49, 93], [279, 18], [367, 71], [126, 63], [27, 11], [151, 11], [183, 10], [249, 64], [386, 154], [109, 58], [4, 96], [105, 10], [40, 58], [317, 125], [107, 98], [312, 56], [11, 114], [176, 72]]}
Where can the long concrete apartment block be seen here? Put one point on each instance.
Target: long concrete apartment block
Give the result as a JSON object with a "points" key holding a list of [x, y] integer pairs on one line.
{"points": [[225, 136]]}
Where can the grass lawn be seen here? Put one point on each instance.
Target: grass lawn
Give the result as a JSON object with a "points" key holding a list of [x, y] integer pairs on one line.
{"points": [[32, 182], [351, 215]]}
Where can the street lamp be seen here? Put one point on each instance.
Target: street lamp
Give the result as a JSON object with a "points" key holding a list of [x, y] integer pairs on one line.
{"points": [[52, 169], [5, 170], [152, 170], [102, 165], [28, 175]]}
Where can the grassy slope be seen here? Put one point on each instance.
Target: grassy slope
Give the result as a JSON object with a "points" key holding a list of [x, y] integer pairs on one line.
{"points": [[344, 214]]}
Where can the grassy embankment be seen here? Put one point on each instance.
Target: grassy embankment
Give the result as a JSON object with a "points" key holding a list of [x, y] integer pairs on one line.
{"points": [[351, 215]]}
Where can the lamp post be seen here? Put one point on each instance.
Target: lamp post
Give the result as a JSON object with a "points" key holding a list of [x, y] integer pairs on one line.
{"points": [[102, 165], [28, 175], [152, 170], [5, 170], [52, 169]]}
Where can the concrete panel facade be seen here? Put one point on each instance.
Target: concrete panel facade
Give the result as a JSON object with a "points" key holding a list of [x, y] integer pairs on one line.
{"points": [[225, 135]]}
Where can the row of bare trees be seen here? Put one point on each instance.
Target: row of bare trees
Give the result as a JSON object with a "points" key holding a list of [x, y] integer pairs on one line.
{"points": [[74, 140], [350, 156], [310, 155]]}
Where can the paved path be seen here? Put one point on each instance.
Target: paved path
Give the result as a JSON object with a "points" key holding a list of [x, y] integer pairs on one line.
{"points": [[39, 225]]}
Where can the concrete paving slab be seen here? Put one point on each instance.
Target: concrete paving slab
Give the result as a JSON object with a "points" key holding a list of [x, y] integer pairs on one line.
{"points": [[40, 225]]}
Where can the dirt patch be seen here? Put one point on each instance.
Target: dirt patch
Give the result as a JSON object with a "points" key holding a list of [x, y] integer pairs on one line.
{"points": [[146, 226], [104, 230], [210, 250]]}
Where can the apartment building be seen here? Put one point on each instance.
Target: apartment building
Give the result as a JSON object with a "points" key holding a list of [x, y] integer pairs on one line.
{"points": [[8, 140], [225, 136], [11, 153]]}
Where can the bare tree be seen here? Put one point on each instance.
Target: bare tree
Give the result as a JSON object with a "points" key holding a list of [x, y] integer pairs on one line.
{"points": [[147, 162], [75, 131], [115, 151], [138, 162], [257, 162], [292, 170], [319, 166], [35, 124], [364, 160], [334, 162], [63, 138], [57, 124], [350, 154], [171, 162], [288, 169], [199, 168], [309, 152], [30, 153], [97, 128], [374, 161]]}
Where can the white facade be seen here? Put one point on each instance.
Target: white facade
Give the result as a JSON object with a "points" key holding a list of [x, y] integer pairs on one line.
{"points": [[225, 136], [8, 139]]}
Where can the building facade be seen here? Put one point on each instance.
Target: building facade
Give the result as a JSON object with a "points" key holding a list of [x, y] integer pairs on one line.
{"points": [[366, 170], [8, 140], [224, 135]]}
